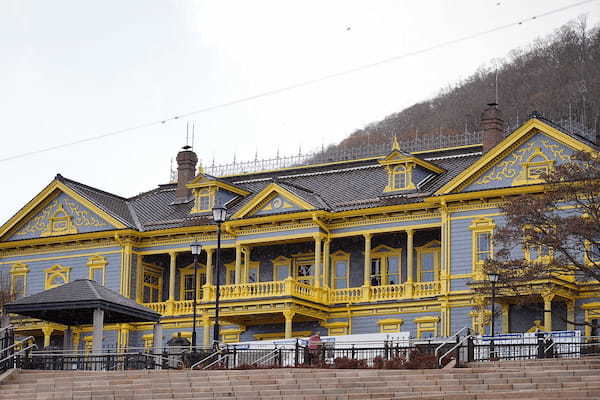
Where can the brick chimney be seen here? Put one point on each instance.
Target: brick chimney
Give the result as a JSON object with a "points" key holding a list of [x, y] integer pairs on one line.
{"points": [[493, 126], [186, 169]]}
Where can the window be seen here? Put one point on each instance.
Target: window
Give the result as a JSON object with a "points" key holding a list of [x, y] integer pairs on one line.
{"points": [[427, 327], [96, 268], [400, 177], [230, 274], [186, 284], [305, 272], [152, 291], [57, 275], [341, 268], [281, 268], [482, 245], [204, 200], [385, 266], [537, 253], [428, 261], [390, 325], [18, 274], [593, 252], [253, 273]]}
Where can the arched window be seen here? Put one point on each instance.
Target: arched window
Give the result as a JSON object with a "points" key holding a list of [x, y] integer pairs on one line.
{"points": [[57, 275]]}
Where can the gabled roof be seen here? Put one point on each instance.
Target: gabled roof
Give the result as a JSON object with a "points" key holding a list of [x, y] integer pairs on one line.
{"points": [[504, 147], [73, 304], [398, 156], [205, 180], [109, 207]]}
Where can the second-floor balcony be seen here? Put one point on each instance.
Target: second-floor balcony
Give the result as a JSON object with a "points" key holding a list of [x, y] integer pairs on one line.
{"points": [[299, 290]]}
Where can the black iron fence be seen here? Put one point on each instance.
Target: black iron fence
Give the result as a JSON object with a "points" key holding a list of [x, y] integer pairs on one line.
{"points": [[7, 348], [540, 346]]}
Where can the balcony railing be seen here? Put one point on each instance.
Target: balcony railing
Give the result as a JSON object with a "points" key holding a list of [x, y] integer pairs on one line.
{"points": [[293, 288]]}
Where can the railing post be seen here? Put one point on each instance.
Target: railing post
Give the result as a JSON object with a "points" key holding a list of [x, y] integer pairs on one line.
{"points": [[470, 350], [541, 351], [296, 351], [353, 351], [279, 357]]}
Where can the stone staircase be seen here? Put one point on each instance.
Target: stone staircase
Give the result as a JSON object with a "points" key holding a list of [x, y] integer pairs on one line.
{"points": [[531, 380]]}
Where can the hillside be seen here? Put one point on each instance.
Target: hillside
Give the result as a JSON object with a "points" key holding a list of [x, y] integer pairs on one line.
{"points": [[558, 76]]}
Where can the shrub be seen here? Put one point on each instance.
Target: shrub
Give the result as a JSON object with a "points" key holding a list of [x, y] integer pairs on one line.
{"points": [[418, 360], [395, 363], [378, 362], [349, 363]]}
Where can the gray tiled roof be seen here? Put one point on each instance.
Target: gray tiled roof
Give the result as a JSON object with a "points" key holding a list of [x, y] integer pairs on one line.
{"points": [[336, 187], [79, 294]]}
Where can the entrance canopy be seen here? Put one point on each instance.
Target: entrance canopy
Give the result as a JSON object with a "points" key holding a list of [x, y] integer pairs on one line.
{"points": [[73, 304]]}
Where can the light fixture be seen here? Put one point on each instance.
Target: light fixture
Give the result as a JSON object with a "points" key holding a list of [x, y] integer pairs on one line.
{"points": [[196, 248], [219, 214], [493, 276]]}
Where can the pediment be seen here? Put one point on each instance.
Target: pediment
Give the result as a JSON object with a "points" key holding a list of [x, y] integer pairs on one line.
{"points": [[57, 211], [518, 159], [273, 199]]}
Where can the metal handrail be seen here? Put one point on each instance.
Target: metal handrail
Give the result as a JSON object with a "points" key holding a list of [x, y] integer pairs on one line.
{"points": [[17, 352], [18, 343], [457, 345], [216, 361], [207, 358], [437, 349], [266, 356], [5, 328]]}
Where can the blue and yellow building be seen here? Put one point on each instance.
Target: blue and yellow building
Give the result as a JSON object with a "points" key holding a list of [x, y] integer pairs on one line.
{"points": [[378, 244]]}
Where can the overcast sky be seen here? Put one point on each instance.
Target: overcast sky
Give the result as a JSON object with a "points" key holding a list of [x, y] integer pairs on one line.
{"points": [[75, 69]]}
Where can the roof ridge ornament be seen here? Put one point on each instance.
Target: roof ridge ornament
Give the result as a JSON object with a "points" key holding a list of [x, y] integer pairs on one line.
{"points": [[395, 144]]}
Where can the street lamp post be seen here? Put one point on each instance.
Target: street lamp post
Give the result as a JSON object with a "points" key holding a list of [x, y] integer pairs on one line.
{"points": [[493, 279], [219, 216], [196, 249]]}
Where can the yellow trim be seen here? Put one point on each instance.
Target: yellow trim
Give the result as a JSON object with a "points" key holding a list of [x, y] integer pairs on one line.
{"points": [[202, 182], [525, 176], [396, 157], [427, 324], [42, 198], [479, 226], [148, 340], [230, 273], [280, 335], [210, 193], [231, 335], [253, 265], [189, 270], [281, 262], [504, 145], [266, 192], [336, 328], [390, 325], [433, 247], [97, 262], [56, 271]]}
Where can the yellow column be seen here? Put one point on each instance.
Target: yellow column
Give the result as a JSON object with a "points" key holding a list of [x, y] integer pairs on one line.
{"points": [[172, 270], [318, 275], [409, 262], [238, 264], [571, 315], [139, 266], [505, 318], [289, 316], [548, 311], [246, 251], [126, 267], [47, 331], [209, 266], [206, 330], [76, 340], [326, 264], [367, 267]]}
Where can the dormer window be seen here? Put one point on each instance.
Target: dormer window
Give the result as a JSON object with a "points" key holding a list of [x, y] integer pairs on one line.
{"points": [[401, 166], [400, 177], [204, 200]]}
